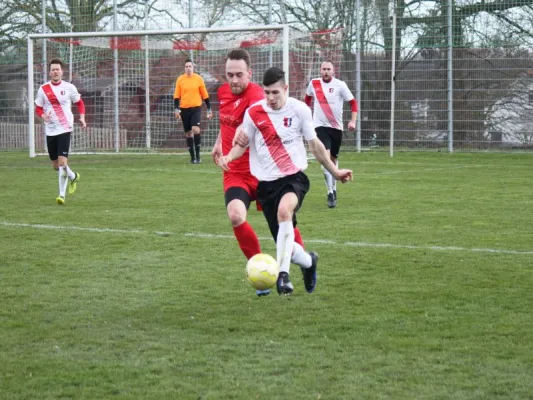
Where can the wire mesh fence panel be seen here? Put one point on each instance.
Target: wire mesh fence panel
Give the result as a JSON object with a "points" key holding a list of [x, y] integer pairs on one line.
{"points": [[14, 101], [462, 77], [493, 106], [128, 82], [462, 71]]}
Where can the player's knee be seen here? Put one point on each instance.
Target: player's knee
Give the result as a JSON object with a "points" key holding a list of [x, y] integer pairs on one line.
{"points": [[236, 216], [188, 134], [284, 214], [195, 130]]}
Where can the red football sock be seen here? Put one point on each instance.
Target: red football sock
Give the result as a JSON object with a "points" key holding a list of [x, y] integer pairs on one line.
{"points": [[298, 237], [248, 241]]}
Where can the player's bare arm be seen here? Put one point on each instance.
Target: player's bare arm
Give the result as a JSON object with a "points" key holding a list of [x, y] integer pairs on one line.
{"points": [[320, 153], [39, 110], [354, 109], [353, 121], [81, 109], [47, 117], [236, 152], [240, 136], [216, 153]]}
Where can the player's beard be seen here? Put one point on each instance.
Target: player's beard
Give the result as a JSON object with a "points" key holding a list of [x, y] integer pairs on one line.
{"points": [[237, 89], [327, 79]]}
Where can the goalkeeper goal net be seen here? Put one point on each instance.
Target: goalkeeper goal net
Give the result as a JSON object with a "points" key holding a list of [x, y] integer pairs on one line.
{"points": [[127, 81]]}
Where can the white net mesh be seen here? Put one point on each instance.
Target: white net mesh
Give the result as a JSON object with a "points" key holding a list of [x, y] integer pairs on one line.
{"points": [[307, 51], [116, 100], [119, 97]]}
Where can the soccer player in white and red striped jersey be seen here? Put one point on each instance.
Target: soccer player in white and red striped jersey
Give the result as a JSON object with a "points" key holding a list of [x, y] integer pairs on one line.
{"points": [[240, 186], [54, 105], [274, 130], [330, 94]]}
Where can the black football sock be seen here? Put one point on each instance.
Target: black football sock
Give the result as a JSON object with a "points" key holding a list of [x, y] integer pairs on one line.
{"points": [[197, 143], [190, 146]]}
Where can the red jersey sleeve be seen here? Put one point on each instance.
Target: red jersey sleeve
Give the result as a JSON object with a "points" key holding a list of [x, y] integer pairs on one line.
{"points": [[354, 106], [81, 107]]}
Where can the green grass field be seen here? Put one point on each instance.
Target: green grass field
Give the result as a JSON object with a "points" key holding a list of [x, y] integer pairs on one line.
{"points": [[135, 288]]}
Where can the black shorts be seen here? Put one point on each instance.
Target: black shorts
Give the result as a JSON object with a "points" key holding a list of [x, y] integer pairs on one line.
{"points": [[191, 117], [331, 137], [269, 194], [58, 145], [239, 193]]}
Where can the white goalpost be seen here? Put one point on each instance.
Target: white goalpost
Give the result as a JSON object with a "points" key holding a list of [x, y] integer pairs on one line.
{"points": [[127, 79]]}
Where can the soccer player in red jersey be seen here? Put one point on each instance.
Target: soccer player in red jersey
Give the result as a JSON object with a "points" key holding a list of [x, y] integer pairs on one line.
{"points": [[240, 186], [274, 129]]}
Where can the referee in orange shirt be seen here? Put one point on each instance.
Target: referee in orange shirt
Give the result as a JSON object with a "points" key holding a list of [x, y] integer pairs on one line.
{"points": [[188, 95]]}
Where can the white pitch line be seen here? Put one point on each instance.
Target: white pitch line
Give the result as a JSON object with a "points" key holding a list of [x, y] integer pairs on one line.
{"points": [[414, 170], [80, 228], [231, 237], [378, 245], [216, 171]]}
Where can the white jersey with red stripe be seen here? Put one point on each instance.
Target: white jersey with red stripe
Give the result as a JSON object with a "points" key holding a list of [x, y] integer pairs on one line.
{"points": [[56, 101], [329, 101], [276, 138]]}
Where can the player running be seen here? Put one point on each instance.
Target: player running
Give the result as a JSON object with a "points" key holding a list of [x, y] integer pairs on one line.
{"points": [[54, 105], [240, 186], [274, 130], [330, 94]]}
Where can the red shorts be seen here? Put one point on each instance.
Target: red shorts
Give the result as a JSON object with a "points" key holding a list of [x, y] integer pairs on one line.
{"points": [[248, 182]]}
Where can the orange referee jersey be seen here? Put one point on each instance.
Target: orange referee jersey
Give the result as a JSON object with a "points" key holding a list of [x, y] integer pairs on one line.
{"points": [[190, 90]]}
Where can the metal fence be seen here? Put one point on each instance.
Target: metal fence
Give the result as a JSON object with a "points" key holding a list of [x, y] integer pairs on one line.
{"points": [[448, 77]]}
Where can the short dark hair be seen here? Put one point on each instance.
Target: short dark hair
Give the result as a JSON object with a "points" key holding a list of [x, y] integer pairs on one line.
{"points": [[273, 75], [188, 60], [56, 61], [240, 54]]}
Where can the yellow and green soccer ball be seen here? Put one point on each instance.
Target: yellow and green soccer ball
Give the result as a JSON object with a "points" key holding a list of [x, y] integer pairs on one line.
{"points": [[262, 271]]}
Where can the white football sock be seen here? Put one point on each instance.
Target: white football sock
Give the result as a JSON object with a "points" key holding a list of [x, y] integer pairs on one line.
{"points": [[62, 181], [329, 180], [70, 173], [300, 257], [334, 184], [284, 245]]}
